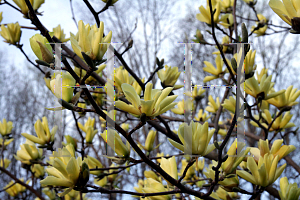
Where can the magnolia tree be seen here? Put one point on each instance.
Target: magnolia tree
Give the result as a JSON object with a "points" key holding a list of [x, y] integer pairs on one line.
{"points": [[202, 158]]}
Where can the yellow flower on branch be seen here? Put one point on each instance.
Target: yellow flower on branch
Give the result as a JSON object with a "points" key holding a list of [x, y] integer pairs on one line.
{"points": [[94, 163], [212, 70], [169, 77], [199, 138], [121, 76], [276, 149], [5, 164], [23, 6], [90, 40], [28, 152], [150, 141], [205, 15], [288, 98], [38, 170], [67, 171], [170, 166], [88, 128], [213, 106], [261, 74], [261, 24], [288, 11], [155, 102], [229, 104], [263, 89], [15, 189], [263, 173], [114, 140], [279, 123], [5, 127], [202, 116], [11, 33], [44, 136], [59, 34], [190, 172], [287, 190]]}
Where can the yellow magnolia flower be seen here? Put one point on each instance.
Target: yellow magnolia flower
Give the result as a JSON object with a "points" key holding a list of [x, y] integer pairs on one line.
{"points": [[88, 128], [113, 139], [61, 86], [263, 173], [38, 170], [67, 171], [44, 136], [90, 80], [28, 152], [287, 190], [196, 93], [59, 34], [155, 102], [11, 33], [150, 141], [202, 116], [288, 98], [205, 15], [286, 10], [170, 166], [122, 76], [212, 105], [229, 104], [181, 109], [226, 20], [200, 137], [169, 77], [212, 70], [223, 194], [94, 163], [249, 66], [236, 155], [5, 127], [262, 21], [279, 123], [89, 40], [41, 48], [22, 5], [15, 189], [153, 186], [277, 149], [5, 164], [262, 90]]}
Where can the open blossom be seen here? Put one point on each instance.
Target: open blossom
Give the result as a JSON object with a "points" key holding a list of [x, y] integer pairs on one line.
{"points": [[89, 39], [44, 136], [67, 171], [199, 138], [263, 173], [155, 101]]}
